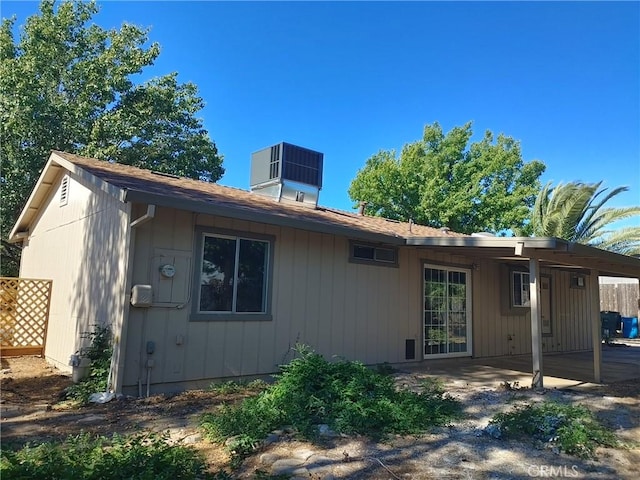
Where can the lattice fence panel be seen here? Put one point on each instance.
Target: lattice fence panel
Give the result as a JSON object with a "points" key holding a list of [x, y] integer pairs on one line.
{"points": [[24, 313]]}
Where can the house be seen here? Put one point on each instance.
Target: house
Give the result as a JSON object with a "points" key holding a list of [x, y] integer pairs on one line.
{"points": [[201, 281]]}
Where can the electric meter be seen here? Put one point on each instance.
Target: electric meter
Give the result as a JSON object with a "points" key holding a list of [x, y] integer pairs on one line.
{"points": [[167, 270]]}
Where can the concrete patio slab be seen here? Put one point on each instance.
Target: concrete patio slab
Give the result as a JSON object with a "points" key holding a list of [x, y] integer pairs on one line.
{"points": [[620, 362]]}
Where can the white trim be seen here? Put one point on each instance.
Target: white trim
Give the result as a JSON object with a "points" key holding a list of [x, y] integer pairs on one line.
{"points": [[468, 311], [64, 190]]}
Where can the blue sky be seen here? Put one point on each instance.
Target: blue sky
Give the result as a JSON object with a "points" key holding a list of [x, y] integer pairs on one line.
{"points": [[351, 78]]}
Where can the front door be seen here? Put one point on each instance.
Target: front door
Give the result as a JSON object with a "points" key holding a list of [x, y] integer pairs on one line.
{"points": [[447, 311]]}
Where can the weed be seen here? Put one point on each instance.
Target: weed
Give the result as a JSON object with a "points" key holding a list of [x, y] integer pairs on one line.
{"points": [[569, 428], [99, 352], [385, 369], [84, 457], [347, 396], [227, 387]]}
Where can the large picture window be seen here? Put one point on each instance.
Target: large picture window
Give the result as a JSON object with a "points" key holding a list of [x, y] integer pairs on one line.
{"points": [[233, 276]]}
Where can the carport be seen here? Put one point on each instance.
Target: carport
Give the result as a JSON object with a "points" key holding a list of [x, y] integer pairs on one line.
{"points": [[551, 253]]}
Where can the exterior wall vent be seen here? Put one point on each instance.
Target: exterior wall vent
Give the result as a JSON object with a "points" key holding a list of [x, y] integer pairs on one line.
{"points": [[287, 172], [64, 191]]}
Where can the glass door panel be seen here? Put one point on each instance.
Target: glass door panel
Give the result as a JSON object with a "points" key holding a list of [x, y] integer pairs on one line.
{"points": [[446, 312]]}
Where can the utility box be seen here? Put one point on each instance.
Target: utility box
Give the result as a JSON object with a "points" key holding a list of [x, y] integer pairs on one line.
{"points": [[141, 296]]}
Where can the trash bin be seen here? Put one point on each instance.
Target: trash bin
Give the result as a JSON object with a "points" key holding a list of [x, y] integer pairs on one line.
{"points": [[630, 327], [610, 322]]}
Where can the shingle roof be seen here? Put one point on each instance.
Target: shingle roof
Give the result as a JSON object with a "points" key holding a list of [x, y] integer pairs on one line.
{"points": [[172, 188]]}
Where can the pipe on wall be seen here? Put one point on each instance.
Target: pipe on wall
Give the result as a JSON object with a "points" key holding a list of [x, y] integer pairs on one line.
{"points": [[151, 212]]}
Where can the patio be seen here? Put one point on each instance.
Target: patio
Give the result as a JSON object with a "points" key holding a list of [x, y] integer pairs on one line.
{"points": [[620, 361]]}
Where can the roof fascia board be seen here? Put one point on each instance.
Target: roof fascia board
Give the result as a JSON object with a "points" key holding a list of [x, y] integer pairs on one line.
{"points": [[262, 217], [53, 162], [489, 242], [612, 258], [102, 185], [40, 185]]}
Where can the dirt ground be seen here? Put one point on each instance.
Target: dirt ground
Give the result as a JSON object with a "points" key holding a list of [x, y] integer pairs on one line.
{"points": [[32, 410]]}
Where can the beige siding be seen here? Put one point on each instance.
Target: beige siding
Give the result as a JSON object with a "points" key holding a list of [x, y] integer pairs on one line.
{"points": [[357, 311], [319, 298], [498, 332], [82, 247]]}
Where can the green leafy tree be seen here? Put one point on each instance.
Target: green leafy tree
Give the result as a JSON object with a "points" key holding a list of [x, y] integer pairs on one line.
{"points": [[441, 180], [68, 84], [577, 212]]}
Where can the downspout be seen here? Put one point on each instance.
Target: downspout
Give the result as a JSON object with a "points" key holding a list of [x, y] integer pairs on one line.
{"points": [[150, 213]]}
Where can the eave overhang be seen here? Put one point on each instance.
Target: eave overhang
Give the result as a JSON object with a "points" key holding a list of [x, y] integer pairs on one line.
{"points": [[257, 215], [552, 252], [52, 170]]}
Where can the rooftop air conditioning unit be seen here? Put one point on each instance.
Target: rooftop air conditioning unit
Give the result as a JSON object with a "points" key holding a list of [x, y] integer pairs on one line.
{"points": [[287, 172]]}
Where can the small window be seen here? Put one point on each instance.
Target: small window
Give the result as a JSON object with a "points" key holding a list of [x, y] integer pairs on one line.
{"points": [[374, 254], [520, 293], [233, 278], [64, 191]]}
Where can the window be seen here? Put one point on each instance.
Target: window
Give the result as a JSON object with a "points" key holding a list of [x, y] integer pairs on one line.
{"points": [[367, 253], [233, 277], [520, 295]]}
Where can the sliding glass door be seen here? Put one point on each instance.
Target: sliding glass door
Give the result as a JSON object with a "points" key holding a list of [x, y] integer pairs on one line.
{"points": [[447, 311]]}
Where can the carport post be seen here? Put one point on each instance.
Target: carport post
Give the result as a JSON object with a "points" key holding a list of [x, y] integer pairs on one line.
{"points": [[596, 332], [536, 323]]}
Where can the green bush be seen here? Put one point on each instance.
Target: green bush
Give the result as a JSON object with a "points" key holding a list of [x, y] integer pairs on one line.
{"points": [[83, 457], [347, 396], [99, 352], [571, 429]]}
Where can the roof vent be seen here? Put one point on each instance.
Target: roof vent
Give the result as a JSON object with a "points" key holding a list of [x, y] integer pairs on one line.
{"points": [[64, 191], [287, 172]]}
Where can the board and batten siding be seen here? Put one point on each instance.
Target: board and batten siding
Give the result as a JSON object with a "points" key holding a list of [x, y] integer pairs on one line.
{"points": [[356, 311], [318, 298], [499, 331], [82, 246]]}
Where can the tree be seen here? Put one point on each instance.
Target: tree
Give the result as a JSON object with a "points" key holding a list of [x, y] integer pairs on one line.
{"points": [[576, 212], [68, 85], [439, 181]]}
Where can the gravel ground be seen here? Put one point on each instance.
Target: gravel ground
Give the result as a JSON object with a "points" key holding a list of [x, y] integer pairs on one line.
{"points": [[32, 411]]}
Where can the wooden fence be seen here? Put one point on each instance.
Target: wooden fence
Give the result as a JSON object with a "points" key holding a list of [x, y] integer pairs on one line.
{"points": [[24, 315], [620, 297]]}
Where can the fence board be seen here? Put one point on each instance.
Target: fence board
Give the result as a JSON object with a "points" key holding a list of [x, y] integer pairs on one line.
{"points": [[24, 315], [620, 297]]}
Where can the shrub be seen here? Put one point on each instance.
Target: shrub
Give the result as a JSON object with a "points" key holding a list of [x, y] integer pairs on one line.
{"points": [[571, 429], [347, 396], [99, 352], [84, 457]]}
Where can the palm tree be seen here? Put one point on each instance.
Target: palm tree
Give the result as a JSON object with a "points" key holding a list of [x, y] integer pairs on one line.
{"points": [[576, 212]]}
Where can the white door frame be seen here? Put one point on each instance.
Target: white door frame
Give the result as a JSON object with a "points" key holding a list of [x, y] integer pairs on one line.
{"points": [[468, 311]]}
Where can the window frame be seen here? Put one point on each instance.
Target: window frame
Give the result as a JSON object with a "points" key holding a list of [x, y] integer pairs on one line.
{"points": [[373, 261], [205, 316], [512, 289]]}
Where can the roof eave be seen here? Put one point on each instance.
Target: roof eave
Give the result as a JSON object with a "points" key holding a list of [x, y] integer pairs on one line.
{"points": [[549, 248], [489, 242], [45, 183], [138, 196]]}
